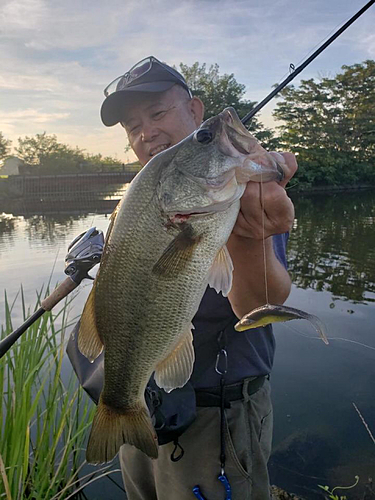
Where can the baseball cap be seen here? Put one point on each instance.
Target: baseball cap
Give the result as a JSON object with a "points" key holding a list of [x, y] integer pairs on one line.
{"points": [[148, 75]]}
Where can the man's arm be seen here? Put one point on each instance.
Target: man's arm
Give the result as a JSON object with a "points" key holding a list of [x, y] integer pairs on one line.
{"points": [[245, 244]]}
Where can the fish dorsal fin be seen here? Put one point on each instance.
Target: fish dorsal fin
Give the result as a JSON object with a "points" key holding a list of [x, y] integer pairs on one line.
{"points": [[178, 253], [221, 272], [89, 342], [175, 370]]}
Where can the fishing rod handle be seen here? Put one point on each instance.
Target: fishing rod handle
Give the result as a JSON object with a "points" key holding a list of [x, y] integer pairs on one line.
{"points": [[67, 286]]}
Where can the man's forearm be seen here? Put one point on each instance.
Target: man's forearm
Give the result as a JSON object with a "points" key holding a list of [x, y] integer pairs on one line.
{"points": [[248, 288]]}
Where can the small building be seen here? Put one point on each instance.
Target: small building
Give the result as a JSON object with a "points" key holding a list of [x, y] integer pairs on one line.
{"points": [[11, 166]]}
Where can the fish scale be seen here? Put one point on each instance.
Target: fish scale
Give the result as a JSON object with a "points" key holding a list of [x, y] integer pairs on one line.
{"points": [[144, 295], [154, 273]]}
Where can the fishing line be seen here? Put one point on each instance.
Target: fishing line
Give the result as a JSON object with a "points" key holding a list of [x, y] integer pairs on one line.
{"points": [[367, 429], [53, 268], [352, 341], [116, 483], [263, 239], [330, 338]]}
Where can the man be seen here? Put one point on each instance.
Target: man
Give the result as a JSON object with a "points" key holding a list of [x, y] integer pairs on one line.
{"points": [[155, 106]]}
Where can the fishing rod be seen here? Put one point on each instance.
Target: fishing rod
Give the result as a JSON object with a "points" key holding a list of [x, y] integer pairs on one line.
{"points": [[84, 252], [296, 71]]}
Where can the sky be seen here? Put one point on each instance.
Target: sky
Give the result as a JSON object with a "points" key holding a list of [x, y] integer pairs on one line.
{"points": [[57, 57]]}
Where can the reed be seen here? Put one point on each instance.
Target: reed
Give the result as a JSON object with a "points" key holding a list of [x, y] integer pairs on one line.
{"points": [[43, 419]]}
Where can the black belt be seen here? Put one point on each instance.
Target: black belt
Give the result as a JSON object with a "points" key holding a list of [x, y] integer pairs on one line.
{"points": [[234, 392]]}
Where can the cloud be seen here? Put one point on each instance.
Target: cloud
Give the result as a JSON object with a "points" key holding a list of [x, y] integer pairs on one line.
{"points": [[51, 24], [32, 114], [369, 45], [57, 57], [12, 81], [21, 122], [18, 15]]}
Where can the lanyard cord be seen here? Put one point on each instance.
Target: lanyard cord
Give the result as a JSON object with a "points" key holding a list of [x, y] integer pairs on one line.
{"points": [[222, 426], [221, 368]]}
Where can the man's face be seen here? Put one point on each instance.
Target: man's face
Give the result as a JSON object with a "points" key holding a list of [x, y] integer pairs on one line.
{"points": [[157, 121]]}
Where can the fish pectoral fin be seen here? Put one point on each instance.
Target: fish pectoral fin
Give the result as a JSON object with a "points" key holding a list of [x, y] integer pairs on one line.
{"points": [[178, 253], [221, 272], [112, 428], [89, 342], [176, 369]]}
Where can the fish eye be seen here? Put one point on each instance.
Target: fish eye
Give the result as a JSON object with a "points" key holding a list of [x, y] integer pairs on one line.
{"points": [[204, 136]]}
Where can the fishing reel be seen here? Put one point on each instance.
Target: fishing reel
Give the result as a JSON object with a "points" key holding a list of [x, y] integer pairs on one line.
{"points": [[84, 253]]}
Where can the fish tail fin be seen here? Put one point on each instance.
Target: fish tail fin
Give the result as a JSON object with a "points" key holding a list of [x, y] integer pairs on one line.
{"points": [[111, 429]]}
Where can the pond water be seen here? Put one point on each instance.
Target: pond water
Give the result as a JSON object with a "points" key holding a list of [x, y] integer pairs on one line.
{"points": [[319, 438]]}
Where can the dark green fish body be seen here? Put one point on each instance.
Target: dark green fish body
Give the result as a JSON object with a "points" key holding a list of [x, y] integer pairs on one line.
{"points": [[269, 313]]}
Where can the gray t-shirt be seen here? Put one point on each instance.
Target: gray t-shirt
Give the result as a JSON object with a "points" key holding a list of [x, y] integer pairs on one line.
{"points": [[250, 353]]}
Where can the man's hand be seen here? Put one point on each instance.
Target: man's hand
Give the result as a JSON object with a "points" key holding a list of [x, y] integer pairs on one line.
{"points": [[270, 198], [246, 247]]}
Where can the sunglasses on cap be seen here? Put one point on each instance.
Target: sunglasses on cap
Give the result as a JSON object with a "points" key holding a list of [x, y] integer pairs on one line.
{"points": [[141, 69]]}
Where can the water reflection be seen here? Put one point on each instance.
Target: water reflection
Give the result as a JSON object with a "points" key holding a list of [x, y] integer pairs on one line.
{"points": [[332, 246], [331, 258], [49, 229], [8, 225], [40, 230], [45, 206]]}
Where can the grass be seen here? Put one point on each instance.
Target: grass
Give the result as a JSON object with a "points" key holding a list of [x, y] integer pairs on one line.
{"points": [[44, 422]]}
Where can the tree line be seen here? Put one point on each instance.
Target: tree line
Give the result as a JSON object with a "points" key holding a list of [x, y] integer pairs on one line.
{"points": [[329, 123], [43, 154]]}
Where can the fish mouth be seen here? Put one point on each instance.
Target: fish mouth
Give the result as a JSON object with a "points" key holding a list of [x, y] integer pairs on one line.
{"points": [[236, 133], [220, 193], [183, 217], [228, 132], [242, 142], [217, 205]]}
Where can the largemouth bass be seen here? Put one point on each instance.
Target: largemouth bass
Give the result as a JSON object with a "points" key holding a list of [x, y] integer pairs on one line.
{"points": [[267, 314], [166, 243]]}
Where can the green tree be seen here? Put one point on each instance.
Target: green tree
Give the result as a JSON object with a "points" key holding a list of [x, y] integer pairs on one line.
{"points": [[331, 125], [33, 150], [100, 162], [48, 156], [221, 91], [4, 146]]}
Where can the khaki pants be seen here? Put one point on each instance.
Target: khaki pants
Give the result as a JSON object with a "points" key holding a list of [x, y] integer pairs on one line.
{"points": [[248, 447]]}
